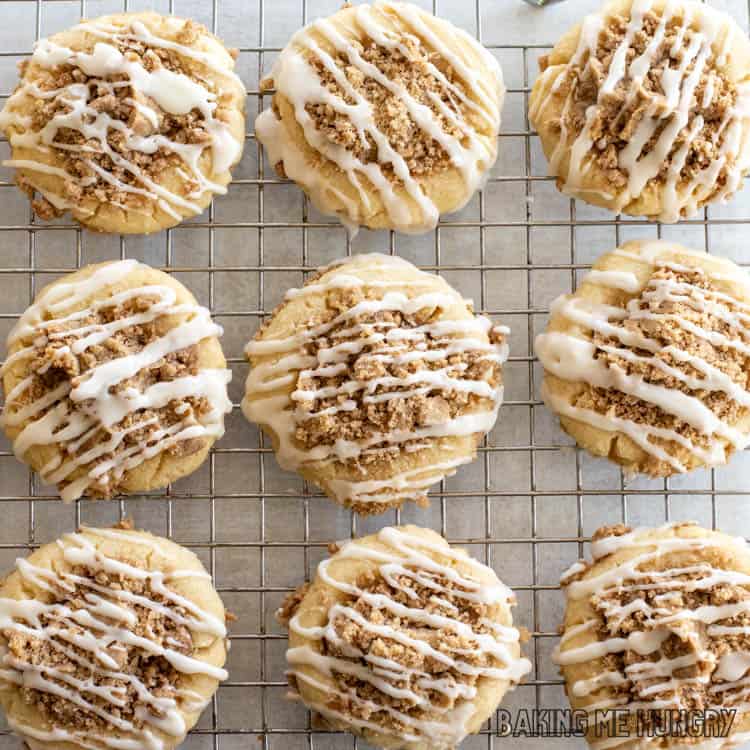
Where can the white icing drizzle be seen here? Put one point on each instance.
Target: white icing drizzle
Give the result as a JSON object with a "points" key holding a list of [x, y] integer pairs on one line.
{"points": [[625, 280], [567, 356], [390, 345], [89, 635], [667, 117], [655, 676], [70, 414], [165, 90], [401, 557], [300, 84]]}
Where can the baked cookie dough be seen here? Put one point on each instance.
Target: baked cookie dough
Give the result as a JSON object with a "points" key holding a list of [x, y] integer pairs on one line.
{"points": [[109, 638], [644, 108], [131, 122], [658, 623], [386, 116], [115, 382], [375, 381], [403, 640], [648, 362]]}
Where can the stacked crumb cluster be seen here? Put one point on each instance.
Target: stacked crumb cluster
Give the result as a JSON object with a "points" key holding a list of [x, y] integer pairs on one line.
{"points": [[375, 380]]}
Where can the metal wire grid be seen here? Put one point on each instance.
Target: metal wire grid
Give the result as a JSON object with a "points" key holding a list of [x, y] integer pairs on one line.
{"points": [[258, 701]]}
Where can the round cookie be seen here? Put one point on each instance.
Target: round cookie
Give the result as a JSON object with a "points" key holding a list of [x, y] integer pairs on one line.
{"points": [[648, 363], [375, 381], [385, 115], [657, 623], [644, 108], [115, 382], [131, 122], [403, 640], [109, 638]]}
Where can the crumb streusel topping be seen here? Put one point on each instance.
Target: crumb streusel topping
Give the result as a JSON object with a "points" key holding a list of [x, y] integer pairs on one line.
{"points": [[649, 99], [102, 654], [380, 372], [120, 115], [409, 66], [669, 634], [109, 385], [670, 369], [410, 644], [387, 106]]}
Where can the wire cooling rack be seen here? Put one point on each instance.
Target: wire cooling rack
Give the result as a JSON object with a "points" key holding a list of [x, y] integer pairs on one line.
{"points": [[529, 503]]}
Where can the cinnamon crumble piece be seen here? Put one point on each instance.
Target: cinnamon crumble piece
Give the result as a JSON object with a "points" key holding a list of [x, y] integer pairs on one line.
{"points": [[291, 603], [44, 209]]}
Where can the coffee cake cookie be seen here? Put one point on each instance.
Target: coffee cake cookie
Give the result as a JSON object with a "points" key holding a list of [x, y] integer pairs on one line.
{"points": [[648, 362], [644, 108], [658, 623], [403, 640], [375, 381], [115, 382], [109, 638], [386, 116], [131, 122]]}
